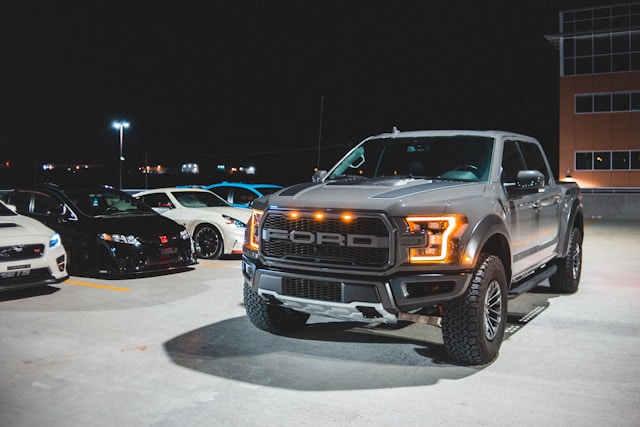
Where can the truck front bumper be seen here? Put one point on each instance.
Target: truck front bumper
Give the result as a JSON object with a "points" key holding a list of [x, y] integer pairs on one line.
{"points": [[370, 300]]}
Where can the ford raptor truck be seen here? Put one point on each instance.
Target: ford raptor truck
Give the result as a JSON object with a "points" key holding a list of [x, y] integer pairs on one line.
{"points": [[439, 227]]}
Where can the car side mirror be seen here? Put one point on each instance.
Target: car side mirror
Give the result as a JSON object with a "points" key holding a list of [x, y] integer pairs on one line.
{"points": [[529, 180]]}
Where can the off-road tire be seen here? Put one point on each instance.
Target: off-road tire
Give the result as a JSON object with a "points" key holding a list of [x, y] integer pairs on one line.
{"points": [[567, 277], [207, 242], [473, 325], [270, 317]]}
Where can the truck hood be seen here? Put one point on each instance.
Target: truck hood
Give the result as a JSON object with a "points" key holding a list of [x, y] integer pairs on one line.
{"points": [[395, 196]]}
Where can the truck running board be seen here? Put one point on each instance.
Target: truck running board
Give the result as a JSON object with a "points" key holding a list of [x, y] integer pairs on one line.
{"points": [[532, 282]]}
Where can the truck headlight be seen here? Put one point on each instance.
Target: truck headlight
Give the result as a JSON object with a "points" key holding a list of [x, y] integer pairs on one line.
{"points": [[253, 226], [438, 234]]}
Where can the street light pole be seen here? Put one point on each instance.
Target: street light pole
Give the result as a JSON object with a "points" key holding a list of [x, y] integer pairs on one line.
{"points": [[121, 126]]}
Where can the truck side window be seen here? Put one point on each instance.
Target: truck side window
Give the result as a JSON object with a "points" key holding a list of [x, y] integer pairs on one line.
{"points": [[511, 162], [534, 159]]}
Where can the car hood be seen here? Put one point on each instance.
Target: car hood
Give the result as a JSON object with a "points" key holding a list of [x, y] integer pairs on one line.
{"points": [[150, 224], [241, 214], [396, 196], [20, 229]]}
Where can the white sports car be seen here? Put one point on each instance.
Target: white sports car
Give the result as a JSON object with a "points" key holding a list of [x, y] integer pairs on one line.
{"points": [[216, 227], [31, 254]]}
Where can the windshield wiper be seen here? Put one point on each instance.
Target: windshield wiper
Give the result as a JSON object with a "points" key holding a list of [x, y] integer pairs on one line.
{"points": [[346, 177]]}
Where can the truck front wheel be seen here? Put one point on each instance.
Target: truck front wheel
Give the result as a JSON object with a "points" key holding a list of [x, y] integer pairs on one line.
{"points": [[270, 317], [473, 325], [567, 278]]}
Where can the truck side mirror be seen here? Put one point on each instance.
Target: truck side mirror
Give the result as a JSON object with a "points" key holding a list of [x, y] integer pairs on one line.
{"points": [[319, 176], [529, 180]]}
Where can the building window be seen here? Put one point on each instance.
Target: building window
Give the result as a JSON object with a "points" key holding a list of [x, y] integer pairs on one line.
{"points": [[607, 102], [600, 40], [584, 161], [620, 160], [607, 160], [602, 160]]}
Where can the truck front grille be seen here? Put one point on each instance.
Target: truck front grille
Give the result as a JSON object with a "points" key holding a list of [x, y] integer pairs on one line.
{"points": [[348, 253]]}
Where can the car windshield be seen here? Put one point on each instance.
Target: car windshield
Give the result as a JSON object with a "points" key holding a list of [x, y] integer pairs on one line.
{"points": [[5, 211], [198, 199], [101, 202], [458, 157]]}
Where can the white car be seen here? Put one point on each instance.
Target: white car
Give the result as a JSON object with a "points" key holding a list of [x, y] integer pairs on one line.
{"points": [[31, 254], [216, 227]]}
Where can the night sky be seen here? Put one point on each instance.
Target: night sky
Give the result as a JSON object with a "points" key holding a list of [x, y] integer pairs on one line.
{"points": [[243, 81]]}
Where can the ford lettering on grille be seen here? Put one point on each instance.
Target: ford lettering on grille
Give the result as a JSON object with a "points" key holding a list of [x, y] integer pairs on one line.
{"points": [[363, 241], [308, 237]]}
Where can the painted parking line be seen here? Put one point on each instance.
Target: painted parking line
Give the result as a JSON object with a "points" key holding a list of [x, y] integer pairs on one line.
{"points": [[95, 285]]}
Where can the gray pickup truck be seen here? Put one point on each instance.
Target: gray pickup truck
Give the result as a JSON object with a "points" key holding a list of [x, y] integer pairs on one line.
{"points": [[439, 227]]}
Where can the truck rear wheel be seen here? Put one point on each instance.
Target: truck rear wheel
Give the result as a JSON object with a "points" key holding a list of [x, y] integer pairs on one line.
{"points": [[567, 278], [473, 325], [270, 317]]}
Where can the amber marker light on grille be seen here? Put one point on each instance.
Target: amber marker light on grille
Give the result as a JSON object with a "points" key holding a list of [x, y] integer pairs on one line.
{"points": [[319, 216], [294, 215], [438, 231], [347, 217]]}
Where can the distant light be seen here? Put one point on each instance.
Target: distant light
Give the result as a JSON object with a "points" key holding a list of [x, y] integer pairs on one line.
{"points": [[118, 125], [250, 170]]}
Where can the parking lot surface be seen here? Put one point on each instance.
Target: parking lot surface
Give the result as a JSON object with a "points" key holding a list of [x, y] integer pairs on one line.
{"points": [[178, 350]]}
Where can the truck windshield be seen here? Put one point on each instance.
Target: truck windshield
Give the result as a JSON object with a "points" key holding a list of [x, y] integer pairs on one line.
{"points": [[459, 157]]}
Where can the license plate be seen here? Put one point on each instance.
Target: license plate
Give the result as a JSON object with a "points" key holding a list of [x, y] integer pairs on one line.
{"points": [[168, 251]]}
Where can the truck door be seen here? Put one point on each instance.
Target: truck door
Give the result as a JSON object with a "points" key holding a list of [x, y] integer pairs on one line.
{"points": [[547, 206], [520, 211]]}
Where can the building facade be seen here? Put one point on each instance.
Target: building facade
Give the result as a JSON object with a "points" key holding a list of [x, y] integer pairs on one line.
{"points": [[600, 96]]}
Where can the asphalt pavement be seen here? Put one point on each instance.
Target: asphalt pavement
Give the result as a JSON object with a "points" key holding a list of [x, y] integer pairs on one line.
{"points": [[178, 350]]}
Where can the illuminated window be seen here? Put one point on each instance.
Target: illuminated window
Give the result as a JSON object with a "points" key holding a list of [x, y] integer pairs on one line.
{"points": [[619, 160], [602, 160]]}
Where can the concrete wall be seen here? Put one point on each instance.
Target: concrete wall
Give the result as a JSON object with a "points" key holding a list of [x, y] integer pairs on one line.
{"points": [[612, 206]]}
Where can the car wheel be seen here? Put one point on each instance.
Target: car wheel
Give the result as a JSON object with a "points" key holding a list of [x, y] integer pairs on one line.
{"points": [[473, 325], [84, 259], [567, 277], [270, 317], [208, 242]]}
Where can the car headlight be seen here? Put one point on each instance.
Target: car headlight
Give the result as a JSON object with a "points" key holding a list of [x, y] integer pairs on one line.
{"points": [[55, 241], [121, 238], [437, 241], [184, 234], [231, 220]]}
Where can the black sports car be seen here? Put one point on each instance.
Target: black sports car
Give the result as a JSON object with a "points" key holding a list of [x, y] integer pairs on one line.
{"points": [[106, 231]]}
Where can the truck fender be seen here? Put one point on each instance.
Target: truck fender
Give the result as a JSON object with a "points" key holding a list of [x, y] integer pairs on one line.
{"points": [[575, 220], [490, 235]]}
